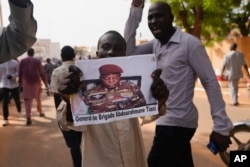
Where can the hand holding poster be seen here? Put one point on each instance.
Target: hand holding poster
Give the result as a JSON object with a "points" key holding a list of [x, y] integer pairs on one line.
{"points": [[114, 89]]}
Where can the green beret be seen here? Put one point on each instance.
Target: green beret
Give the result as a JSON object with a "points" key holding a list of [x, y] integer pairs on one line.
{"points": [[110, 69]]}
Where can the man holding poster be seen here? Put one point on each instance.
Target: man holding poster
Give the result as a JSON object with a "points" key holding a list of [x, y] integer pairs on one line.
{"points": [[110, 144]]}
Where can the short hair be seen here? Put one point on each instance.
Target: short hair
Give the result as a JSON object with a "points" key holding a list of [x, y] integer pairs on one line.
{"points": [[164, 6], [113, 32], [31, 52], [67, 53], [233, 46], [48, 60]]}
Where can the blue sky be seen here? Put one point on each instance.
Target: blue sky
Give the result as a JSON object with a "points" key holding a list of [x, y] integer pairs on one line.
{"points": [[80, 22]]}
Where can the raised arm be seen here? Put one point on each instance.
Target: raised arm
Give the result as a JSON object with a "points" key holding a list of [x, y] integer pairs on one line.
{"points": [[20, 34], [131, 26]]}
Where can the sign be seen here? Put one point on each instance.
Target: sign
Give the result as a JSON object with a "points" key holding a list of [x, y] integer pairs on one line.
{"points": [[114, 89]]}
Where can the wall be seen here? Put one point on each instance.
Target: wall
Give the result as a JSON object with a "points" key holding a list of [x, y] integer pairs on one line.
{"points": [[218, 50]]}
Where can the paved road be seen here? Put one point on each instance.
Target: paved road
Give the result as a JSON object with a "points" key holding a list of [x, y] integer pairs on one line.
{"points": [[42, 144]]}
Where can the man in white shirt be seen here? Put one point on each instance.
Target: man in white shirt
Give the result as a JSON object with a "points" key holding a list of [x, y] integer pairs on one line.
{"points": [[9, 84], [232, 64]]}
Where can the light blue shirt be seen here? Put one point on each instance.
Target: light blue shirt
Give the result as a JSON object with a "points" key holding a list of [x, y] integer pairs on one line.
{"points": [[182, 60], [233, 61]]}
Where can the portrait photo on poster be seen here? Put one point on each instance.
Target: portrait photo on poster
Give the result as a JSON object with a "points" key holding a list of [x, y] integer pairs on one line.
{"points": [[114, 89]]}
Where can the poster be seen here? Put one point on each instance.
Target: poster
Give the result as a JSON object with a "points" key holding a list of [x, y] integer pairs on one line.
{"points": [[115, 89]]}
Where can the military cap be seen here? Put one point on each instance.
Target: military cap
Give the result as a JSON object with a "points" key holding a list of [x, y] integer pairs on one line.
{"points": [[110, 69]]}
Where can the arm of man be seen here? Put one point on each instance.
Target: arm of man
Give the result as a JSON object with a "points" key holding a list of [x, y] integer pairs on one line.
{"points": [[20, 34], [131, 26], [43, 76], [222, 124], [246, 68]]}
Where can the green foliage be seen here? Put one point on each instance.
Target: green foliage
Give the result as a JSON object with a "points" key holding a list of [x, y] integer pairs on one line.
{"points": [[210, 20]]}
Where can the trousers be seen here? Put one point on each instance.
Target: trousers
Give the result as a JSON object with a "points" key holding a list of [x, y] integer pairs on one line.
{"points": [[15, 94], [171, 147], [73, 141]]}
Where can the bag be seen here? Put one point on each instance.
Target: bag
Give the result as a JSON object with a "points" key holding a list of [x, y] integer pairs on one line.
{"points": [[61, 116], [62, 119]]}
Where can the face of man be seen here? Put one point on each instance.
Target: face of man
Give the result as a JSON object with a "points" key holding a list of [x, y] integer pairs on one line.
{"points": [[160, 20], [110, 81], [111, 45]]}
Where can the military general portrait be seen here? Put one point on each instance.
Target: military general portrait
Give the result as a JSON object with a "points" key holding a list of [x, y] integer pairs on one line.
{"points": [[112, 92]]}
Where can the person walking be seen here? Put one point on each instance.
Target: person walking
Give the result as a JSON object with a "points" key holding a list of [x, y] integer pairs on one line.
{"points": [[182, 58], [72, 138], [48, 68], [30, 74], [10, 86], [20, 34], [232, 64]]}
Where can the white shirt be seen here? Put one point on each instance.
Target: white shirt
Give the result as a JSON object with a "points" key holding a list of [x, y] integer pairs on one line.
{"points": [[11, 68]]}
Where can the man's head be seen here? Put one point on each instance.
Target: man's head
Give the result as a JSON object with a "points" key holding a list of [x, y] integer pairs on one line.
{"points": [[160, 20], [48, 60], [31, 52], [111, 44], [233, 46], [110, 75], [67, 53]]}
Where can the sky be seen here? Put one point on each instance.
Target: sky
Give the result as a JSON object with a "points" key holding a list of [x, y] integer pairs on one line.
{"points": [[81, 22]]}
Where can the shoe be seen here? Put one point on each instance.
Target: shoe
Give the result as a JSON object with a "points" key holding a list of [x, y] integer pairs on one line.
{"points": [[5, 123], [234, 104], [42, 115], [29, 122]]}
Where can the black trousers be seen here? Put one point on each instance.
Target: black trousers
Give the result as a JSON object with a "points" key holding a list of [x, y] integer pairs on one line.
{"points": [[15, 94], [73, 140], [171, 147]]}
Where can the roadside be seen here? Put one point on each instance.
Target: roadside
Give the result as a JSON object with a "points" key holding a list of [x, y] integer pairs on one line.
{"points": [[42, 144]]}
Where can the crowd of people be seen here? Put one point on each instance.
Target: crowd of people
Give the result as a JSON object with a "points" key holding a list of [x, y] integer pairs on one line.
{"points": [[180, 57]]}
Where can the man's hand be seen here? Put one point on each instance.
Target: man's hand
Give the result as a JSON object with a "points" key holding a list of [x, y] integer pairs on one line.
{"points": [[221, 142], [138, 3], [71, 82], [159, 91]]}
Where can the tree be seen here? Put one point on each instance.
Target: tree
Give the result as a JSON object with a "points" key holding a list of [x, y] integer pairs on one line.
{"points": [[209, 20], [239, 17]]}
